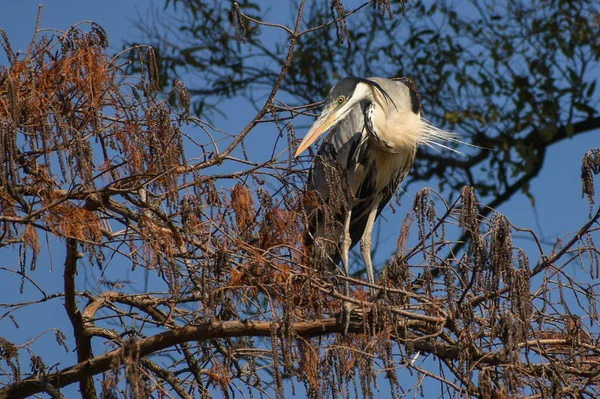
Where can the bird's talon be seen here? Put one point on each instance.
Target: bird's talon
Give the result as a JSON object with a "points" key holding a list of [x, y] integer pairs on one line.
{"points": [[348, 308]]}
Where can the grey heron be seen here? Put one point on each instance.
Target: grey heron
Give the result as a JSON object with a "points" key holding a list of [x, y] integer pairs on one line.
{"points": [[375, 126]]}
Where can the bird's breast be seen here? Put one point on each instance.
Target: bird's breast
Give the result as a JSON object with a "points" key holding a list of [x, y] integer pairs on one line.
{"points": [[396, 132], [388, 166]]}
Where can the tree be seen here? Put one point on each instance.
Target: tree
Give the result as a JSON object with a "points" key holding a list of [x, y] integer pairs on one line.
{"points": [[123, 181], [515, 78]]}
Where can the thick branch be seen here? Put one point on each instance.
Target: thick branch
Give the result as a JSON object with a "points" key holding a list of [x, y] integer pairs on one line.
{"points": [[83, 341], [218, 330], [148, 346]]}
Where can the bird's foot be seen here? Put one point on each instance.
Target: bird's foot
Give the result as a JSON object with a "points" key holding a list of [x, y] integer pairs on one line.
{"points": [[348, 308], [375, 294]]}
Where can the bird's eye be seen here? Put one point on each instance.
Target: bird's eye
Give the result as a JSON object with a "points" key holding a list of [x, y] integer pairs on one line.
{"points": [[340, 100]]}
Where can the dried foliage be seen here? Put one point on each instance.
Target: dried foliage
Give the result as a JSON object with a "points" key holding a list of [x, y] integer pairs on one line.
{"points": [[198, 280], [590, 167]]}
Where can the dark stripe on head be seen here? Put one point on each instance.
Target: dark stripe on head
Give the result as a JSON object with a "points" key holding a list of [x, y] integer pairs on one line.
{"points": [[344, 87], [347, 86]]}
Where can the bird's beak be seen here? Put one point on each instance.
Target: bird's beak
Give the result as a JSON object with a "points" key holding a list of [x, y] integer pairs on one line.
{"points": [[321, 125]]}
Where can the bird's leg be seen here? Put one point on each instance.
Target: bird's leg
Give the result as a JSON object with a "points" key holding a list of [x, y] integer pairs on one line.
{"points": [[365, 245], [346, 242]]}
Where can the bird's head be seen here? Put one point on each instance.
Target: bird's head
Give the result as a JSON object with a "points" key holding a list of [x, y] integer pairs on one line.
{"points": [[340, 100]]}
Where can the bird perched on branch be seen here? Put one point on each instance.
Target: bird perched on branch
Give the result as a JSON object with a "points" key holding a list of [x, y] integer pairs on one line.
{"points": [[375, 126]]}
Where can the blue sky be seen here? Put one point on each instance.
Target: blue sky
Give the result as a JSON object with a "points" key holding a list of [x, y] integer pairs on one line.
{"points": [[18, 18], [559, 208]]}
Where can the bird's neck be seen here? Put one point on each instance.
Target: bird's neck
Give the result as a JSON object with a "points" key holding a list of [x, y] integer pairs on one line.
{"points": [[396, 133]]}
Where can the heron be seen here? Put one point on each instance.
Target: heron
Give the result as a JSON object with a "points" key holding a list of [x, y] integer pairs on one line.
{"points": [[375, 126]]}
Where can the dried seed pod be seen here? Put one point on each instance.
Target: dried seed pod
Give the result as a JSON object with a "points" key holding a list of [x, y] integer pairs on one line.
{"points": [[468, 212], [501, 250], [590, 166], [243, 206]]}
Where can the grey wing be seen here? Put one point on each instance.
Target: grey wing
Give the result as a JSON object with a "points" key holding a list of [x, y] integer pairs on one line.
{"points": [[367, 194], [334, 166], [341, 148]]}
